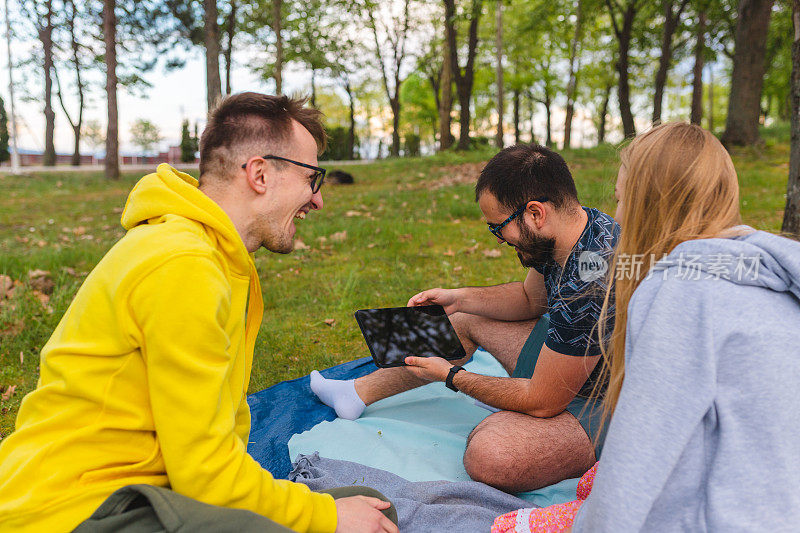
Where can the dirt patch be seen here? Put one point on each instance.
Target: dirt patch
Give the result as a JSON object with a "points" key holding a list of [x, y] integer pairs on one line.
{"points": [[465, 173]]}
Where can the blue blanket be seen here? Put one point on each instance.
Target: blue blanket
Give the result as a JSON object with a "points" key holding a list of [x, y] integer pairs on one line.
{"points": [[419, 435], [291, 407]]}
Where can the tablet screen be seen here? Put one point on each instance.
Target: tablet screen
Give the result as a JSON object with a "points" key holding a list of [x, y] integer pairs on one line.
{"points": [[393, 334]]}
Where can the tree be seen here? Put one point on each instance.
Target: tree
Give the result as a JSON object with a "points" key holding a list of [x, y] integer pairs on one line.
{"points": [[744, 102], [697, 72], [230, 31], [277, 19], [498, 138], [624, 31], [4, 153], [574, 66], [77, 47], [41, 13], [672, 17], [395, 38], [211, 40], [145, 134], [189, 144], [112, 131], [791, 216], [93, 134], [464, 78]]}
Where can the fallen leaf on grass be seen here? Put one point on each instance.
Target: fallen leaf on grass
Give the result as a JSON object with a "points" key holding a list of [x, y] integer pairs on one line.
{"points": [[471, 249], [21, 357], [80, 230], [405, 237], [371, 245], [8, 393], [449, 253], [330, 321], [353, 214], [300, 245], [339, 236], [72, 272], [41, 281], [13, 329], [6, 286], [493, 252]]}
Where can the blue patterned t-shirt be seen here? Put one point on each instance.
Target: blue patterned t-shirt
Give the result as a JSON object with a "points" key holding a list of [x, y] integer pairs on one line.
{"points": [[575, 293]]}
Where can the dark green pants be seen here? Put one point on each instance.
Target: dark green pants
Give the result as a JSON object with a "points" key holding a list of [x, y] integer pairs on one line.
{"points": [[588, 411], [149, 509]]}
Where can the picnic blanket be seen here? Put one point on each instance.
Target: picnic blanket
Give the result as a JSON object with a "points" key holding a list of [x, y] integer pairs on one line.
{"points": [[421, 506], [419, 435]]}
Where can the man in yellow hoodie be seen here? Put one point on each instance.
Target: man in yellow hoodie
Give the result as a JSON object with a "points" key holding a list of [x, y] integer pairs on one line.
{"points": [[141, 400]]}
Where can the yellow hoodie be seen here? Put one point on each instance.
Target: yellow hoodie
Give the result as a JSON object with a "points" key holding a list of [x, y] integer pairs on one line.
{"points": [[145, 378]]}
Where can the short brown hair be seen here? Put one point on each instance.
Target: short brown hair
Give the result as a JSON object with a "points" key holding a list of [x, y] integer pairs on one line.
{"points": [[247, 124]]}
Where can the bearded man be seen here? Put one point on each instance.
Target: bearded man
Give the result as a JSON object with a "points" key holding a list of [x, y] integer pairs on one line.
{"points": [[543, 330]]}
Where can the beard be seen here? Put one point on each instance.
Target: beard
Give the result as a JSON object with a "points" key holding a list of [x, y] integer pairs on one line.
{"points": [[533, 249]]}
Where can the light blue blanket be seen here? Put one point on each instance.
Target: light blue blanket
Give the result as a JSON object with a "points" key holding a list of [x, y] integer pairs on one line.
{"points": [[419, 435]]}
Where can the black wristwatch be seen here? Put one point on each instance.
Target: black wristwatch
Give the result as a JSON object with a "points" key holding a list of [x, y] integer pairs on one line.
{"points": [[455, 369]]}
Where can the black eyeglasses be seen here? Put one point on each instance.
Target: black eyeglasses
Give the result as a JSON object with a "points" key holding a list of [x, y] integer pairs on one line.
{"points": [[497, 229], [316, 179]]}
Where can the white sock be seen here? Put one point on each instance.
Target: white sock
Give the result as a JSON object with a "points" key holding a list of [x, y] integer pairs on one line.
{"points": [[339, 394]]}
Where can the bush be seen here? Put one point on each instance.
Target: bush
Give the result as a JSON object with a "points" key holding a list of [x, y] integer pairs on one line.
{"points": [[338, 150], [479, 142], [411, 145]]}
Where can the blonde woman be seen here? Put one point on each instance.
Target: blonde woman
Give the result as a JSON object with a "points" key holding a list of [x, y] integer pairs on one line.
{"points": [[704, 357]]}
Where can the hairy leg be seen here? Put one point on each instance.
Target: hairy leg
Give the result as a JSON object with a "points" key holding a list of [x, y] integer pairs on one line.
{"points": [[515, 452], [504, 340]]}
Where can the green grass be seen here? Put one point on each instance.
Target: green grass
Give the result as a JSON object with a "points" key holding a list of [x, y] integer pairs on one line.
{"points": [[411, 224]]}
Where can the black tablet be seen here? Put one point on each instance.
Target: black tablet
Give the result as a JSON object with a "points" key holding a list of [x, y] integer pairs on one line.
{"points": [[394, 333]]}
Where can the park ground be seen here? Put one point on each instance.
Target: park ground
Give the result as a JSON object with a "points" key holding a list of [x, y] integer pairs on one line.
{"points": [[406, 225]]}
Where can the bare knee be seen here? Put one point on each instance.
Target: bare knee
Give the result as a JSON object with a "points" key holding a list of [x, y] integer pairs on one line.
{"points": [[463, 324], [487, 461]]}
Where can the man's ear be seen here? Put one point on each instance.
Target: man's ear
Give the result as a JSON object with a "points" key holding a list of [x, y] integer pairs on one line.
{"points": [[257, 174], [537, 212]]}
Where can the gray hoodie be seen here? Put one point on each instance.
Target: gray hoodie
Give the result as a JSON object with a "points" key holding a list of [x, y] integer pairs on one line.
{"points": [[706, 433]]}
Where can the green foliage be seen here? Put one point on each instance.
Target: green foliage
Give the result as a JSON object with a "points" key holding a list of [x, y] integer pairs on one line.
{"points": [[418, 106], [411, 144], [189, 144], [5, 155], [94, 134], [338, 148], [145, 134]]}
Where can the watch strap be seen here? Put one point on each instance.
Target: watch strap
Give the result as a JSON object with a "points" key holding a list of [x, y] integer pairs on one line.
{"points": [[450, 375]]}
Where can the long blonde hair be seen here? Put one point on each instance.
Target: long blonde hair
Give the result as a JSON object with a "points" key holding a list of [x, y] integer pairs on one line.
{"points": [[679, 185]]}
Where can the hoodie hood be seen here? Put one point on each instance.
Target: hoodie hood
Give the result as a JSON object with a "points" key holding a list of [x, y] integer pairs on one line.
{"points": [[170, 192], [757, 258]]}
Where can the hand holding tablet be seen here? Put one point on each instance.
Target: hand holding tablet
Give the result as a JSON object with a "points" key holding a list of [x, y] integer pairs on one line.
{"points": [[394, 333]]}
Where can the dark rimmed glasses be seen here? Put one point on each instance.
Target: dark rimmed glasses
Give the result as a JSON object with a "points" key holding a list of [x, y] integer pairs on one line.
{"points": [[316, 179], [497, 229]]}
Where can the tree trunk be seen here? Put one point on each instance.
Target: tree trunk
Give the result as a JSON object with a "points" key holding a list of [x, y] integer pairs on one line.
{"points": [[463, 80], [573, 75], [46, 36], [277, 22], [395, 105], [747, 79], [623, 85], [546, 102], [601, 128], [516, 116], [710, 123], [498, 41], [211, 36], [791, 216], [532, 113], [313, 100], [671, 20], [351, 134], [229, 48], [697, 80], [445, 100], [112, 132]]}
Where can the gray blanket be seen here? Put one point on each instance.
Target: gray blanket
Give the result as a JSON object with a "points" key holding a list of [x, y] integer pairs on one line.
{"points": [[422, 505]]}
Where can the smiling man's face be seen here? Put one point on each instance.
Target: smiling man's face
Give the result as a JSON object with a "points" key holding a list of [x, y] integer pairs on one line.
{"points": [[532, 248], [288, 197]]}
